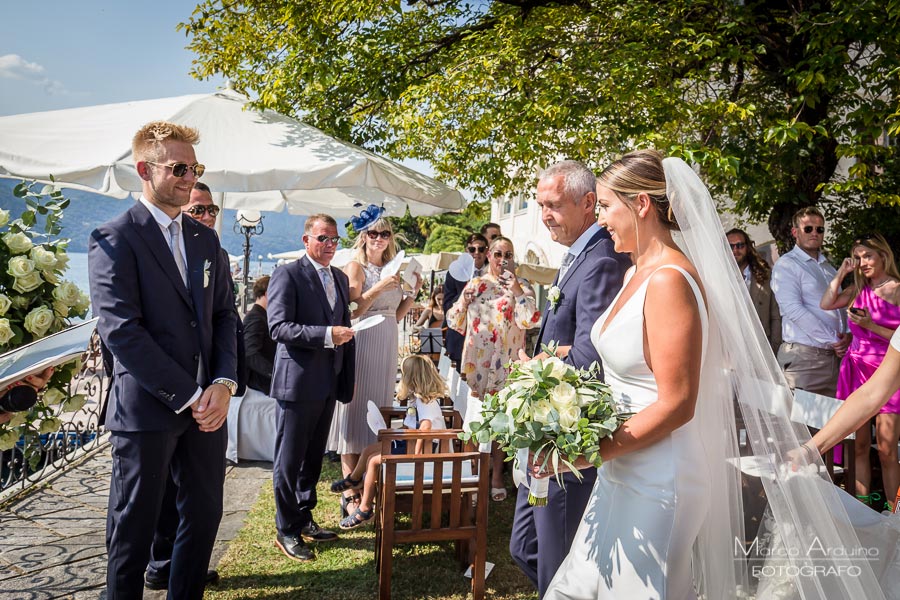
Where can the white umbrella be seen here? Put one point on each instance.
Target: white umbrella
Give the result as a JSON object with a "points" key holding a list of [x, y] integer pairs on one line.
{"points": [[261, 160]]}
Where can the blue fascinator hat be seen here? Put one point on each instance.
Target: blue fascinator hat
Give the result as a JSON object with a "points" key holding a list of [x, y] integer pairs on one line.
{"points": [[368, 216]]}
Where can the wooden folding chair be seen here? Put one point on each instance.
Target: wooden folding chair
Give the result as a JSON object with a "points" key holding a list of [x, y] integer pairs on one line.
{"points": [[442, 483], [814, 410]]}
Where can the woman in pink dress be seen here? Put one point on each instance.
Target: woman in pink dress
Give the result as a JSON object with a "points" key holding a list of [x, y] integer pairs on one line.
{"points": [[873, 316]]}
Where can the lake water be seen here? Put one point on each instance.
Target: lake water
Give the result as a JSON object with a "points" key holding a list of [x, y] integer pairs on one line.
{"points": [[77, 272]]}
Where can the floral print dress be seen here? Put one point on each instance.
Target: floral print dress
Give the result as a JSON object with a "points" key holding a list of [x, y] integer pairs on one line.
{"points": [[494, 326]]}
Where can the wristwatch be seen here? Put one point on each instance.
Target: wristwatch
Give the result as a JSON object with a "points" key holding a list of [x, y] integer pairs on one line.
{"points": [[232, 386]]}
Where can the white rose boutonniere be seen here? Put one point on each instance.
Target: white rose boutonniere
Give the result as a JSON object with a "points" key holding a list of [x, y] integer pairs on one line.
{"points": [[554, 296], [353, 306], [206, 267]]}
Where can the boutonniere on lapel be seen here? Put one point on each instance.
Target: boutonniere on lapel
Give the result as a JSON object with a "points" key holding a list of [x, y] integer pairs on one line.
{"points": [[206, 267], [554, 296], [352, 306]]}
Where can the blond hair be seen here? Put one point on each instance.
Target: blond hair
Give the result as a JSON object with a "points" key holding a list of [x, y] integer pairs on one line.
{"points": [[359, 246], [806, 211], [147, 144], [876, 243], [640, 172], [419, 377]]}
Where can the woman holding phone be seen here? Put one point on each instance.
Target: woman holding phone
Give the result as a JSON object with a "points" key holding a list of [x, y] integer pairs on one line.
{"points": [[873, 313], [493, 312]]}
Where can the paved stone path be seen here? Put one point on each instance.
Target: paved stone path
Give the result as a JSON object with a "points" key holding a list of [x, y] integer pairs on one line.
{"points": [[53, 541]]}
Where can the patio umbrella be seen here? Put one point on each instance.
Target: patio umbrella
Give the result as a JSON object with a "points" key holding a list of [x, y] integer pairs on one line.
{"points": [[255, 159]]}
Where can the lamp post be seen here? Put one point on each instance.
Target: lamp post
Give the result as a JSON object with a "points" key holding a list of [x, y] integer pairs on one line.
{"points": [[248, 223]]}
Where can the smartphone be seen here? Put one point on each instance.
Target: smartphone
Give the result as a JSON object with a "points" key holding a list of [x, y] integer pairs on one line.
{"points": [[859, 312]]}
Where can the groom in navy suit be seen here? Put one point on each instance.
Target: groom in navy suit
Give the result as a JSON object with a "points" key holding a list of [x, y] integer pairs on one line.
{"points": [[309, 317], [161, 290], [590, 277]]}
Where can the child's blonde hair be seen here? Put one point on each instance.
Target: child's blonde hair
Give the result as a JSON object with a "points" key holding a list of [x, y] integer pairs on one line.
{"points": [[419, 377]]}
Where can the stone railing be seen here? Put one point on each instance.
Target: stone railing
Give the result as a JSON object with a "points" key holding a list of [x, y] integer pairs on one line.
{"points": [[36, 457]]}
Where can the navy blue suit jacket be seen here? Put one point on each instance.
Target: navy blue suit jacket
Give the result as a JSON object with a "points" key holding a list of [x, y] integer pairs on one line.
{"points": [[590, 284], [454, 340], [299, 314], [157, 331]]}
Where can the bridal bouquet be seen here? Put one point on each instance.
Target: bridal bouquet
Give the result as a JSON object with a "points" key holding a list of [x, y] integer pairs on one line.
{"points": [[550, 409]]}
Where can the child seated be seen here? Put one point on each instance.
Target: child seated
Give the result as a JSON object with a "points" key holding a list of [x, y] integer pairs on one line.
{"points": [[422, 388]]}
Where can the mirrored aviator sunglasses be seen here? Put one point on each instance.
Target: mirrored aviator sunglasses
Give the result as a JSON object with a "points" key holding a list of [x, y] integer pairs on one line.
{"points": [[180, 169], [199, 209]]}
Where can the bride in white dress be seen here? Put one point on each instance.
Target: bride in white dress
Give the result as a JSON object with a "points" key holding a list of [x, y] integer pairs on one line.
{"points": [[665, 519]]}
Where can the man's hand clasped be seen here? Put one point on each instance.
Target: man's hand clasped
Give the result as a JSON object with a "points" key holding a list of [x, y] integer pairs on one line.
{"points": [[211, 409]]}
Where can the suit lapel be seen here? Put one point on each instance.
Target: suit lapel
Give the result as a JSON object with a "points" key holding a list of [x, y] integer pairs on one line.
{"points": [[195, 262], [149, 231], [317, 285]]}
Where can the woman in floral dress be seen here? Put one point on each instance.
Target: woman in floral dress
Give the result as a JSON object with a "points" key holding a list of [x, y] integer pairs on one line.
{"points": [[493, 313]]}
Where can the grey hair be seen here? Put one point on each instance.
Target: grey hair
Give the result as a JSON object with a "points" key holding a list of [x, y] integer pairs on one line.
{"points": [[578, 180]]}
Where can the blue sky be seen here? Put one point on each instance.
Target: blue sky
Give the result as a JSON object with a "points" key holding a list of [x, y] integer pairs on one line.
{"points": [[62, 54]]}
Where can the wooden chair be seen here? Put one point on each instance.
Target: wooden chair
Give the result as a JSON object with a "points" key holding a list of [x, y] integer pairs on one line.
{"points": [[814, 410], [443, 484]]}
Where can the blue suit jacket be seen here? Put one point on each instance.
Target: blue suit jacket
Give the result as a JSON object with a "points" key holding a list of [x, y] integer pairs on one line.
{"points": [[299, 314], [590, 284], [454, 340], [157, 332]]}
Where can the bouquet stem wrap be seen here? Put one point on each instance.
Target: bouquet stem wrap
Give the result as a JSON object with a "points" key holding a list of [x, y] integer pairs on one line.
{"points": [[538, 489]]}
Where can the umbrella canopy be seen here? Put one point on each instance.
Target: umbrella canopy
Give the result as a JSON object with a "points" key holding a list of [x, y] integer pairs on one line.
{"points": [[256, 159]]}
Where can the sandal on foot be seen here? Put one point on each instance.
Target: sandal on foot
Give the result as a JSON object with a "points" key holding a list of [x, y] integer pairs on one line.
{"points": [[347, 500], [360, 517], [498, 494], [342, 485]]}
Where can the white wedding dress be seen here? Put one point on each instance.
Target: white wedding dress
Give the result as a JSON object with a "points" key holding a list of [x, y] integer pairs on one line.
{"points": [[648, 506]]}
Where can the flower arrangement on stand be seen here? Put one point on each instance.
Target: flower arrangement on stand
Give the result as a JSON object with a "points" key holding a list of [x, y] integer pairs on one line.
{"points": [[36, 301], [549, 410]]}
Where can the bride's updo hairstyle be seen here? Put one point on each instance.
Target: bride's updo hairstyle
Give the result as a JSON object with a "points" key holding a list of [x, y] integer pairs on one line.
{"points": [[640, 172]]}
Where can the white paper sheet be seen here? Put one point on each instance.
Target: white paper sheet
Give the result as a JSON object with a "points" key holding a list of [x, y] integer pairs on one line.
{"points": [[368, 322]]}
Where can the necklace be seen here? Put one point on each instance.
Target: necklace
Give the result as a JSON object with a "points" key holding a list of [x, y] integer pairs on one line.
{"points": [[886, 280]]}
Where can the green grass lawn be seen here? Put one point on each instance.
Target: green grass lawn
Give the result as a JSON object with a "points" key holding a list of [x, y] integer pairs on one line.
{"points": [[254, 568]]}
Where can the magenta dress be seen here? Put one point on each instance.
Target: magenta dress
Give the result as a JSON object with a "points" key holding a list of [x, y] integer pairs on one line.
{"points": [[867, 349]]}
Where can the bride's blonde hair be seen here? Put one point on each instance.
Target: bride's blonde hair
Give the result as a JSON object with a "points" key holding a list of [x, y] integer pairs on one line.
{"points": [[640, 172]]}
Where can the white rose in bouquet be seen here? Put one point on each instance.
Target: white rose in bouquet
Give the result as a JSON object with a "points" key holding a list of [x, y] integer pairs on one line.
{"points": [[20, 301], [6, 332], [84, 302], [39, 320], [560, 369], [568, 418], [62, 259], [50, 276], [563, 396], [5, 303], [20, 266], [49, 425], [60, 309], [540, 412], [43, 259], [68, 293], [4, 217], [8, 439], [53, 396], [25, 284], [586, 396], [18, 243], [515, 403]]}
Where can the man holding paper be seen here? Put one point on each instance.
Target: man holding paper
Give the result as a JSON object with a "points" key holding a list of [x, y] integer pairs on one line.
{"points": [[309, 318]]}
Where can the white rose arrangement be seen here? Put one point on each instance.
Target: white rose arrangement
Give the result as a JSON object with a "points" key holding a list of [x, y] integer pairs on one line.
{"points": [[554, 295], [549, 409], [36, 301]]}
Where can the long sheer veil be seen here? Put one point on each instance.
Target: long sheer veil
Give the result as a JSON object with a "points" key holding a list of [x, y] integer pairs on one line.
{"points": [[817, 553]]}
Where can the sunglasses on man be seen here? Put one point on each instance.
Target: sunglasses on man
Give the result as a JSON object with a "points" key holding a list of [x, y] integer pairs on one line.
{"points": [[476, 249], [198, 210], [738, 246], [809, 229], [374, 235], [180, 169], [324, 239], [506, 255]]}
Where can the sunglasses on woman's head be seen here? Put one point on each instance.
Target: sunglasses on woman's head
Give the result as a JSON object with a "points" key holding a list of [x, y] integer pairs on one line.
{"points": [[809, 229], [374, 235], [180, 169], [506, 255], [476, 249], [198, 209]]}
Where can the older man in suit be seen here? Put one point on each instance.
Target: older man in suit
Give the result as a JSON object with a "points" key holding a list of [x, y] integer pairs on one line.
{"points": [[309, 317], [589, 278], [167, 317]]}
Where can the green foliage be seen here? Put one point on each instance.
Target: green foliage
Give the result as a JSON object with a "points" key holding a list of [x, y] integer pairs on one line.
{"points": [[765, 97], [446, 238]]}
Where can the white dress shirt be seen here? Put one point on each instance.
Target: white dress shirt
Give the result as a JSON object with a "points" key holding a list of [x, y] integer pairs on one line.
{"points": [[799, 281], [895, 340], [329, 343], [163, 220]]}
